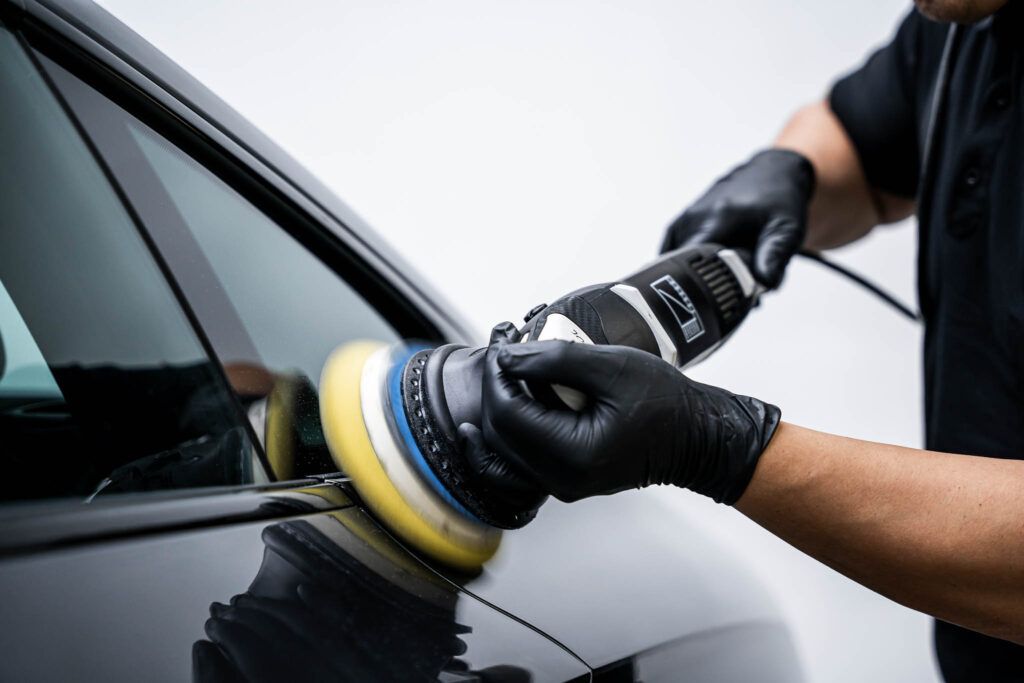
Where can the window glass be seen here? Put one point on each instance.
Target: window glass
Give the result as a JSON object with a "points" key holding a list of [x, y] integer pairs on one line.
{"points": [[294, 308], [272, 310], [105, 387]]}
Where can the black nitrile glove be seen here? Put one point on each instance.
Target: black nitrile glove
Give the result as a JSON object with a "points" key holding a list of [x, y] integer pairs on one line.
{"points": [[645, 423], [497, 477], [760, 206]]}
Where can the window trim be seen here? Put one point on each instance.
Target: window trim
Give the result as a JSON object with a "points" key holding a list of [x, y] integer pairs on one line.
{"points": [[235, 406], [161, 245], [179, 254], [326, 237], [46, 524], [113, 135]]}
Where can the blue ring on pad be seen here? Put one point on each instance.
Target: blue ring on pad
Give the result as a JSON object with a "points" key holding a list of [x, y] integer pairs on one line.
{"points": [[411, 447]]}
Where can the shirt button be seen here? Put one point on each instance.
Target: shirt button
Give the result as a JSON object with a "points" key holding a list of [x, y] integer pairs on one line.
{"points": [[972, 178]]}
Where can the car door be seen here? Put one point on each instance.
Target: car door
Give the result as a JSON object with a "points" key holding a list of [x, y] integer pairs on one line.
{"points": [[189, 419], [168, 508]]}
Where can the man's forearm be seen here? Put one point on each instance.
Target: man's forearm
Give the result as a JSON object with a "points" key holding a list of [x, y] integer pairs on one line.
{"points": [[940, 533], [844, 207]]}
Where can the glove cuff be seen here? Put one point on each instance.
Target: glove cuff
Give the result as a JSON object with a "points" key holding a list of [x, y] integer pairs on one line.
{"points": [[742, 460], [798, 167], [737, 433]]}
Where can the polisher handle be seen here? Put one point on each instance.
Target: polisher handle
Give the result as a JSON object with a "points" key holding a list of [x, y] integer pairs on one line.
{"points": [[558, 326], [680, 307]]}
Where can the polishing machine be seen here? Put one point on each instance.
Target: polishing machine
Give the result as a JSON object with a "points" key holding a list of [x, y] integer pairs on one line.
{"points": [[390, 412]]}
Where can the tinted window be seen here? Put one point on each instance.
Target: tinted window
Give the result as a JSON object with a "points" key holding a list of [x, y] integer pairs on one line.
{"points": [[273, 311], [105, 386]]}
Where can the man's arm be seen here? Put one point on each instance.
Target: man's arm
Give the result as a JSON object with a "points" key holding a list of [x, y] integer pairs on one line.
{"points": [[940, 533], [843, 207], [937, 532], [809, 189], [857, 150]]}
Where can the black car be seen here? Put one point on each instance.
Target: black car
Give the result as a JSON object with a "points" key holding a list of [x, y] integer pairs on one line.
{"points": [[170, 286]]}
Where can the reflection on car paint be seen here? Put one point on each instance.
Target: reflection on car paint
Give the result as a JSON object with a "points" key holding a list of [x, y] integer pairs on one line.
{"points": [[327, 577], [320, 595]]}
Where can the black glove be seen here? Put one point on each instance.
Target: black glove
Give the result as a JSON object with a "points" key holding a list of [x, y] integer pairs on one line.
{"points": [[497, 477], [760, 206], [645, 423]]}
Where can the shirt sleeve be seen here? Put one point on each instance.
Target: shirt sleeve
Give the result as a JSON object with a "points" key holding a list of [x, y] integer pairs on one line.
{"points": [[876, 104]]}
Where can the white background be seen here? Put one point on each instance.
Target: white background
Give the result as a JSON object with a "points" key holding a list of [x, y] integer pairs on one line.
{"points": [[517, 150]]}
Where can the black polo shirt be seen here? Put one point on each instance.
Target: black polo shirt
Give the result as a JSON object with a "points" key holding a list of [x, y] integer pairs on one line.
{"points": [[971, 226]]}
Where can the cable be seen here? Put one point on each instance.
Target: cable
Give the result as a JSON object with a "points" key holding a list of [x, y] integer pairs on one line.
{"points": [[863, 282]]}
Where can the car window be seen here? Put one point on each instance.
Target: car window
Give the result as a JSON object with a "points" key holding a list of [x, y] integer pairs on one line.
{"points": [[272, 309], [105, 386]]}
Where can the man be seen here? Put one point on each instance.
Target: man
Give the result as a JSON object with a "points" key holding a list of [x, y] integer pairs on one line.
{"points": [[931, 123]]}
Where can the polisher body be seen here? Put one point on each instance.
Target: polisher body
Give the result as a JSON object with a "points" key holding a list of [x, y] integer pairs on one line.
{"points": [[396, 438], [680, 307]]}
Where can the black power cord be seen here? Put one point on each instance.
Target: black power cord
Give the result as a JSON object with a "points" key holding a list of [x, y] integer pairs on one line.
{"points": [[863, 282]]}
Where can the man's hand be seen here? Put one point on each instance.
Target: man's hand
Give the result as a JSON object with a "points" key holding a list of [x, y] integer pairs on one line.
{"points": [[645, 422], [760, 206], [499, 478]]}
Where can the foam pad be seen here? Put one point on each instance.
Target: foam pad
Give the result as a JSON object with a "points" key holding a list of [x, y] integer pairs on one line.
{"points": [[280, 424], [360, 431], [418, 387]]}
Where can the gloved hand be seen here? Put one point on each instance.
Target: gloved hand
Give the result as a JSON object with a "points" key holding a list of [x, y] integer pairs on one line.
{"points": [[760, 206], [645, 423], [497, 477]]}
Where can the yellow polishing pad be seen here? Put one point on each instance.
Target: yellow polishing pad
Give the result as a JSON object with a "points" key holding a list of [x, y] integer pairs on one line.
{"points": [[278, 439], [447, 537]]}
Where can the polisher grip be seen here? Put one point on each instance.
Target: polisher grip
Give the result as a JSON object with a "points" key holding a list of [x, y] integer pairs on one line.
{"points": [[680, 307]]}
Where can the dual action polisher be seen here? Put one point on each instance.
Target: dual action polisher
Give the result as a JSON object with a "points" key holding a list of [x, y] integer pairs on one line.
{"points": [[390, 413]]}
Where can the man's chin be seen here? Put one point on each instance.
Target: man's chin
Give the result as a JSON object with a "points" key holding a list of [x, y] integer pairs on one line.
{"points": [[958, 11]]}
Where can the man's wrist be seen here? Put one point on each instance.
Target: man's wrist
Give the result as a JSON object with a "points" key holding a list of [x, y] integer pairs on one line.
{"points": [[802, 170]]}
